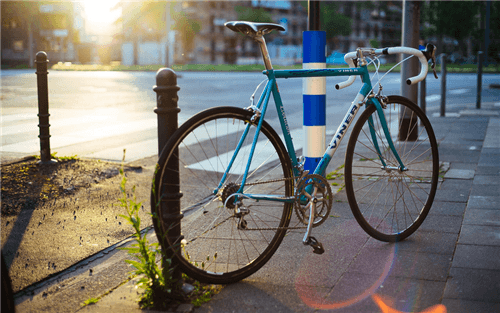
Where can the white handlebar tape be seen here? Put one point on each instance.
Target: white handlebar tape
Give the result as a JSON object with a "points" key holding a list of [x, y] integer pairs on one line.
{"points": [[395, 50]]}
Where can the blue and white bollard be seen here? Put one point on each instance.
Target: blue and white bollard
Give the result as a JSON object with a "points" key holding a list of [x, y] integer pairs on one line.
{"points": [[314, 97]]}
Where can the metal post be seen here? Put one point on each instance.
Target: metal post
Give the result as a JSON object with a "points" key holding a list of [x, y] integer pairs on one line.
{"points": [[423, 94], [166, 98], [479, 78], [43, 107], [443, 84], [487, 32], [166, 90], [410, 38], [313, 16], [314, 91]]}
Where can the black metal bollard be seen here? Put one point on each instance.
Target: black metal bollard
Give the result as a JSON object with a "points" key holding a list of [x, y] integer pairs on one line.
{"points": [[423, 94], [479, 78], [443, 84], [166, 97], [43, 107]]}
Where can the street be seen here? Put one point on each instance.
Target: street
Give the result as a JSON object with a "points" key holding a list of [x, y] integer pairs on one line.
{"points": [[98, 114]]}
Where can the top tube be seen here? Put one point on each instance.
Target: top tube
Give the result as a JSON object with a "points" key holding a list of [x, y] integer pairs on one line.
{"points": [[318, 72]]}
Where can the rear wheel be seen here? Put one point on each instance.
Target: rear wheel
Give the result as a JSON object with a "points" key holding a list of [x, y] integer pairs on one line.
{"points": [[221, 241], [390, 204]]}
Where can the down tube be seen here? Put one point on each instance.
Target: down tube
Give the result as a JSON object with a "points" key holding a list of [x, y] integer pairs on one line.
{"points": [[339, 134]]}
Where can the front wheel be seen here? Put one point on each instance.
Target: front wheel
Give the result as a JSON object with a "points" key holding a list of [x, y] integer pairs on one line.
{"points": [[222, 240], [390, 203]]}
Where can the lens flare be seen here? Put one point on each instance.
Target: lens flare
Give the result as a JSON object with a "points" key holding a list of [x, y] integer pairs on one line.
{"points": [[385, 308], [314, 299]]}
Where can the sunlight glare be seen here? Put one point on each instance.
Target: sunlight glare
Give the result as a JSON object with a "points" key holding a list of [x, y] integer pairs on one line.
{"points": [[99, 13], [385, 308]]}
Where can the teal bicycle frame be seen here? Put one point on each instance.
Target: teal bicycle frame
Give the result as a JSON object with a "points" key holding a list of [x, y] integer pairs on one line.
{"points": [[262, 105]]}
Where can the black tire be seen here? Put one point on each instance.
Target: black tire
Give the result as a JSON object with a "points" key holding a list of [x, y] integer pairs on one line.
{"points": [[215, 248], [390, 204]]}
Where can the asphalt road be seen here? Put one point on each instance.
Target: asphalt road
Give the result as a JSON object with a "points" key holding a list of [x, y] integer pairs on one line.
{"points": [[98, 114]]}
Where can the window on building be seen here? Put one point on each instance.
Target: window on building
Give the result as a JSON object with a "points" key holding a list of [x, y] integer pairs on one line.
{"points": [[18, 45]]}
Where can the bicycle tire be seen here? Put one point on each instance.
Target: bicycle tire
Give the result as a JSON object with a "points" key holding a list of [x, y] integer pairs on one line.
{"points": [[390, 204], [215, 247]]}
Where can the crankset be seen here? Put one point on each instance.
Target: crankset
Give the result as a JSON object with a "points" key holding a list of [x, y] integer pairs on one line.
{"points": [[313, 188]]}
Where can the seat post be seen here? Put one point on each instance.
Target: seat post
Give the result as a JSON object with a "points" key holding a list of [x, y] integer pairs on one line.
{"points": [[265, 53]]}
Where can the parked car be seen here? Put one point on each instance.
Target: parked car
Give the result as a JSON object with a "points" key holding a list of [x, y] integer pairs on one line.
{"points": [[336, 58]]}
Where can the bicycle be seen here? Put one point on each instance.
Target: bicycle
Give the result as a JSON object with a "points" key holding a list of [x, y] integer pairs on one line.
{"points": [[237, 184]]}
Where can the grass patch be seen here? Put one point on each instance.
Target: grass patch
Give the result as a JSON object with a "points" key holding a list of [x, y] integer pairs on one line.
{"points": [[53, 156], [451, 68]]}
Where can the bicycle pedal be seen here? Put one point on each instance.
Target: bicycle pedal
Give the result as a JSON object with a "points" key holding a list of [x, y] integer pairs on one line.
{"points": [[316, 245]]}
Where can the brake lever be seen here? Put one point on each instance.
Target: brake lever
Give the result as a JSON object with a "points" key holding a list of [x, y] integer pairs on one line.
{"points": [[433, 65]]}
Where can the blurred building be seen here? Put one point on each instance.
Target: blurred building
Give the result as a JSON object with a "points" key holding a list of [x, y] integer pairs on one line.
{"points": [[55, 27], [375, 25], [167, 32], [216, 44], [149, 33]]}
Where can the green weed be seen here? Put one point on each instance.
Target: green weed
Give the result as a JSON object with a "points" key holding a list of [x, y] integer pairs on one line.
{"points": [[158, 284], [89, 301]]}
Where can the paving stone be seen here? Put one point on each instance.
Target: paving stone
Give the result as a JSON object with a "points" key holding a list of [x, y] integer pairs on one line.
{"points": [[485, 190], [421, 242], [442, 223], [488, 170], [487, 180], [479, 235], [448, 208], [475, 256], [489, 157], [482, 217], [459, 155], [483, 202], [451, 195], [462, 185], [464, 166], [473, 284], [478, 113], [459, 174], [429, 266], [406, 294], [465, 306]]}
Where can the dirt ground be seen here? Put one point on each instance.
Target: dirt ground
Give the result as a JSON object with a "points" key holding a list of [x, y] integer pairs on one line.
{"points": [[54, 215]]}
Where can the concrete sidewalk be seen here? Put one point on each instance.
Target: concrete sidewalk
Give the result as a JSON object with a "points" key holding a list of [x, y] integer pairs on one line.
{"points": [[452, 260]]}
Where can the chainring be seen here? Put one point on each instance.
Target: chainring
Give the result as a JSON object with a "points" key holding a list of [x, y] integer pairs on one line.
{"points": [[303, 195]]}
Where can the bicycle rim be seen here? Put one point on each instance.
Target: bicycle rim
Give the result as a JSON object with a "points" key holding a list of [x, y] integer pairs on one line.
{"points": [[390, 204], [217, 246]]}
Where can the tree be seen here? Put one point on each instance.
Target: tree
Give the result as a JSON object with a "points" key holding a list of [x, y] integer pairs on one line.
{"points": [[334, 23], [258, 15], [187, 28], [454, 19]]}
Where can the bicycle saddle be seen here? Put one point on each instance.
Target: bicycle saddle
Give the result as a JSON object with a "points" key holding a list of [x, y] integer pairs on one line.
{"points": [[253, 29]]}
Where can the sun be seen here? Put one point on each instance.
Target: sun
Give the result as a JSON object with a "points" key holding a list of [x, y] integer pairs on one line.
{"points": [[99, 13]]}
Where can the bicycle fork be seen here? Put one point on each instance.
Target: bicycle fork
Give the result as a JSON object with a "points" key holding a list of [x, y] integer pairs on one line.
{"points": [[383, 122]]}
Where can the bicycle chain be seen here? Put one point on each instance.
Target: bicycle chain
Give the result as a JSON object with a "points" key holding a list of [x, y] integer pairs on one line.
{"points": [[267, 182]]}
